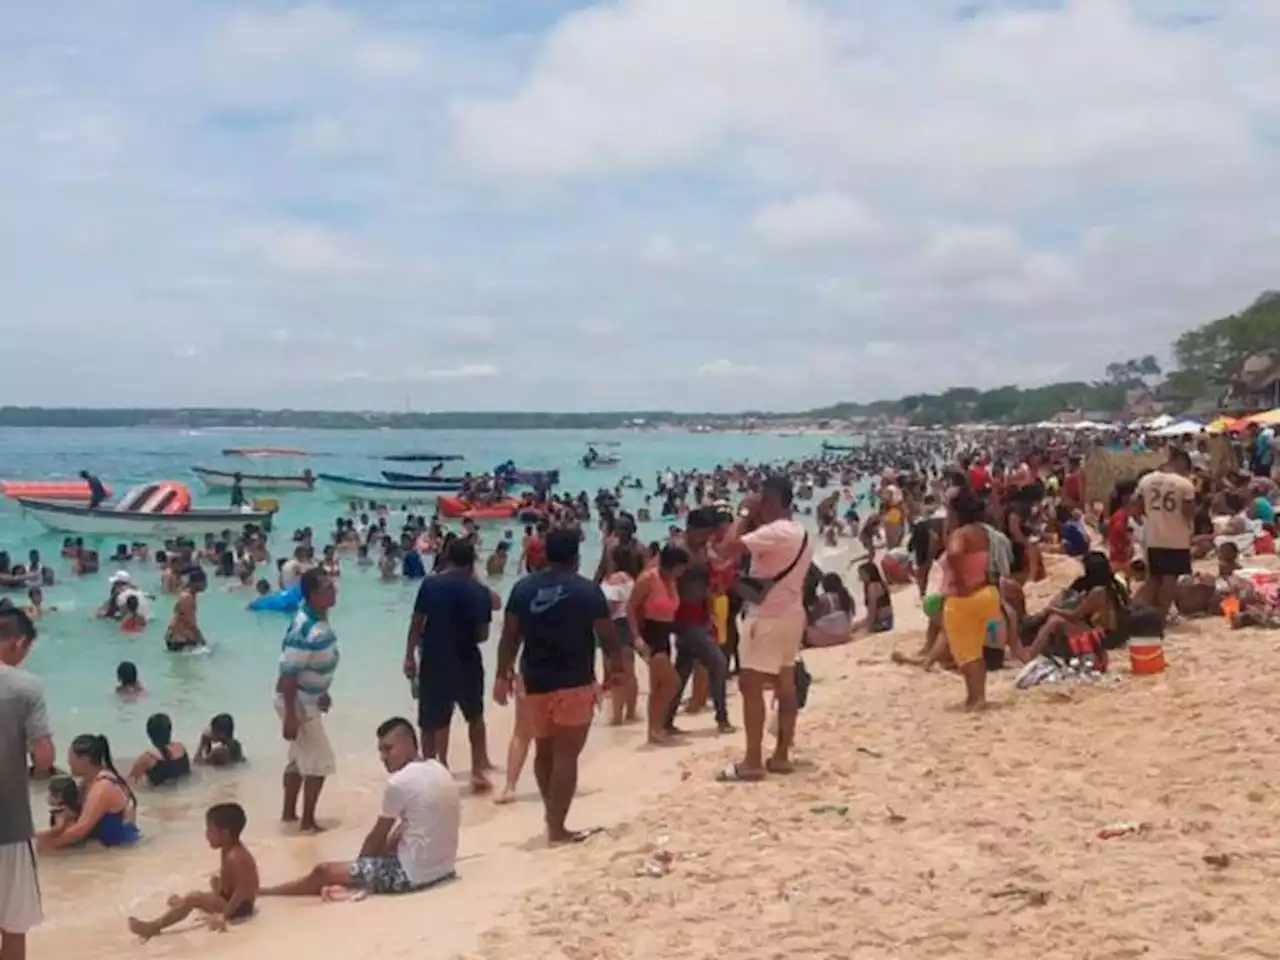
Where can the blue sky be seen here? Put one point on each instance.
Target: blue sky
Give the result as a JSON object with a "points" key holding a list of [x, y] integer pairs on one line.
{"points": [[699, 204]]}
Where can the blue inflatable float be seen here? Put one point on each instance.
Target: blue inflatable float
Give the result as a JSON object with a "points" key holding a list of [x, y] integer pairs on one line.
{"points": [[282, 601]]}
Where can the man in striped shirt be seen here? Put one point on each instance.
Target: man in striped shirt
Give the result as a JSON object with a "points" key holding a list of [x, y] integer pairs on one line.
{"points": [[308, 660]]}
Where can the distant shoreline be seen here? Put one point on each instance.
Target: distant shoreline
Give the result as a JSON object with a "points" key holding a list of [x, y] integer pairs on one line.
{"points": [[231, 419]]}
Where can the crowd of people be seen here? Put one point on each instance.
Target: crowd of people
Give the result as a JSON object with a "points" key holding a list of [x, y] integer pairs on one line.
{"points": [[733, 588]]}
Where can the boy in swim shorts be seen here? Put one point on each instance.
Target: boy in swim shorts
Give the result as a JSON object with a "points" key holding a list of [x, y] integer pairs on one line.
{"points": [[233, 889]]}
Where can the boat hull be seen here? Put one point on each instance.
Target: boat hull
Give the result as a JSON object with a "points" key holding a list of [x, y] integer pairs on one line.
{"points": [[69, 518], [225, 480], [422, 457], [415, 479], [352, 488]]}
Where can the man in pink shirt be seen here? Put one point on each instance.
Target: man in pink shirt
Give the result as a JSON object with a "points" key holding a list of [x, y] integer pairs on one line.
{"points": [[773, 628]]}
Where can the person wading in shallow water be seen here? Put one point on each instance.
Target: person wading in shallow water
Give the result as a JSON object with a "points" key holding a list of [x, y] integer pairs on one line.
{"points": [[308, 661], [775, 621], [557, 614], [450, 620]]}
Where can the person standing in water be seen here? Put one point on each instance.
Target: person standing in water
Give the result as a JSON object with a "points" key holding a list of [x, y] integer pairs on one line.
{"points": [[308, 661], [24, 736], [556, 615], [183, 632]]}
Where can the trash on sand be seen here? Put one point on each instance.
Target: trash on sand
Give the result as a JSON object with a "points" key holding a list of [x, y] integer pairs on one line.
{"points": [[893, 816], [658, 863], [1219, 860], [839, 808], [1036, 898], [871, 753], [1122, 828]]}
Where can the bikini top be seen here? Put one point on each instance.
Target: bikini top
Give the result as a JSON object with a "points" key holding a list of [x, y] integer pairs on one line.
{"points": [[169, 769], [661, 603]]}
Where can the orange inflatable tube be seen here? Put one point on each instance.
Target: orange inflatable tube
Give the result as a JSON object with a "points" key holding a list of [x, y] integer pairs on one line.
{"points": [[66, 491], [455, 508], [165, 497]]}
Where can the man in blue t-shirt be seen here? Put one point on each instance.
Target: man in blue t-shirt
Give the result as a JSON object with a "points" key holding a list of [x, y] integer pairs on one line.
{"points": [[450, 620], [557, 615]]}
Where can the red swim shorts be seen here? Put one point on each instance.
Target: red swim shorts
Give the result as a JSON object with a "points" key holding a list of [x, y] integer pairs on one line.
{"points": [[549, 712]]}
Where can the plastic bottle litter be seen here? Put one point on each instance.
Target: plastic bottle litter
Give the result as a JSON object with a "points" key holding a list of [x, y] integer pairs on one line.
{"points": [[1121, 828]]}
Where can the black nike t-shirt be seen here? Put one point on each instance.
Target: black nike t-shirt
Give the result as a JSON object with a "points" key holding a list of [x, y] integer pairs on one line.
{"points": [[557, 612]]}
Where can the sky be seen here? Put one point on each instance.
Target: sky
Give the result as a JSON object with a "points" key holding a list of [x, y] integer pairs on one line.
{"points": [[642, 204]]}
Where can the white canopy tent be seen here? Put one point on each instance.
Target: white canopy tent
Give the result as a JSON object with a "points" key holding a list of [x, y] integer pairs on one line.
{"points": [[1178, 428]]}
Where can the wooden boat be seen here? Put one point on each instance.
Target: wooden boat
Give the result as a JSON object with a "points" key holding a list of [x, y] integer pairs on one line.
{"points": [[394, 476], [837, 447], [225, 480], [422, 457], [353, 488], [61, 491], [138, 524]]}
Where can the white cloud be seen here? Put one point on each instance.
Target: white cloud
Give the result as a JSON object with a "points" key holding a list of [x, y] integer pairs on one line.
{"points": [[644, 83], [722, 368], [826, 199], [992, 261], [468, 371], [419, 374], [661, 251], [814, 221], [310, 250]]}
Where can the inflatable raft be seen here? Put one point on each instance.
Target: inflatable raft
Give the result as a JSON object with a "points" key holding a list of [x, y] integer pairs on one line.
{"points": [[57, 491], [455, 508]]}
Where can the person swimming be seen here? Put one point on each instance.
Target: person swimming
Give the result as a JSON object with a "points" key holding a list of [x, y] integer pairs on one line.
{"points": [[218, 745], [127, 681], [133, 620], [166, 761], [183, 632]]}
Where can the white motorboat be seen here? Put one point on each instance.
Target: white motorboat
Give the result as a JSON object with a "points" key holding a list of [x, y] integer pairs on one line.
{"points": [[138, 524], [263, 482]]}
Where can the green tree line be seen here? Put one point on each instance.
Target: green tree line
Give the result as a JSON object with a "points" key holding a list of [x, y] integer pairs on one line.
{"points": [[1209, 361]]}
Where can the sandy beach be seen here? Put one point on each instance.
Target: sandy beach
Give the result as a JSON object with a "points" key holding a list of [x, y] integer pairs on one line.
{"points": [[910, 830]]}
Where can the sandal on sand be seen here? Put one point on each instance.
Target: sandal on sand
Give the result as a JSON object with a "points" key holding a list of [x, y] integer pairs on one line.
{"points": [[779, 768], [578, 836], [732, 774]]}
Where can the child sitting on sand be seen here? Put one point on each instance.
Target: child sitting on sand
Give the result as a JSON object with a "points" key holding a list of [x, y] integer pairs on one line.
{"points": [[232, 890]]}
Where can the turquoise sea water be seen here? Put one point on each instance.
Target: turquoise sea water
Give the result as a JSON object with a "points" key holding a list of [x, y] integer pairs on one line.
{"points": [[77, 655]]}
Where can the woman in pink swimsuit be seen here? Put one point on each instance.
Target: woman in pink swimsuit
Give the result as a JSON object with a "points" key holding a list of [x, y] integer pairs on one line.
{"points": [[651, 612]]}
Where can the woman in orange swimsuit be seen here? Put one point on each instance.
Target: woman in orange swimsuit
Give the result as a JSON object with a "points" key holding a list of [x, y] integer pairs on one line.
{"points": [[651, 612]]}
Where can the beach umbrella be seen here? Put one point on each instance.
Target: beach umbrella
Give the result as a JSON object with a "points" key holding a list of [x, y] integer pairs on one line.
{"points": [[1268, 419], [1226, 425]]}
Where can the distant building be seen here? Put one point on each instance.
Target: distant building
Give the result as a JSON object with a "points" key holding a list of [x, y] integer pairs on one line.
{"points": [[1257, 385], [1141, 403]]}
